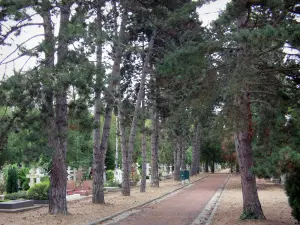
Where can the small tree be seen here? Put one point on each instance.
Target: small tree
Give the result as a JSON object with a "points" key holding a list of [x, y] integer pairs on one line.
{"points": [[292, 188], [12, 180]]}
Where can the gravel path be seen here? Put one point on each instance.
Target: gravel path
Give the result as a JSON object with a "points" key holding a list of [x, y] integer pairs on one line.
{"points": [[179, 209], [83, 211], [272, 197]]}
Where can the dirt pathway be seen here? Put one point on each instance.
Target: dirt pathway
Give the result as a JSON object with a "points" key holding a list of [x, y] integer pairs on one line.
{"points": [[181, 208], [272, 197]]}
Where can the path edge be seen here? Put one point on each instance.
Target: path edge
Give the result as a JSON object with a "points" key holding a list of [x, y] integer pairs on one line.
{"points": [[143, 204], [209, 220], [206, 215]]}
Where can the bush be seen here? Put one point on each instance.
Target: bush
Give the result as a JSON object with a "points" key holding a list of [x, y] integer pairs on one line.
{"points": [[25, 185], [45, 179], [39, 191], [135, 177], [24, 181], [112, 183], [110, 175], [12, 180], [292, 188], [16, 195], [2, 188]]}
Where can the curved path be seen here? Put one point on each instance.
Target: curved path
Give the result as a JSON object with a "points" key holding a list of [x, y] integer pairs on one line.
{"points": [[182, 208]]}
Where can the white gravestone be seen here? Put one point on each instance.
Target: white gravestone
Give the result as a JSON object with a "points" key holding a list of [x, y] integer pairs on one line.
{"points": [[161, 169], [165, 170], [148, 167], [71, 173], [118, 175], [170, 169], [35, 176], [137, 165]]}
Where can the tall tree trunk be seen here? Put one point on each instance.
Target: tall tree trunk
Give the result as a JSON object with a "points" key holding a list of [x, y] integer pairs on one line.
{"points": [[178, 159], [195, 151], [132, 135], [251, 204], [182, 162], [206, 166], [98, 162], [117, 142], [48, 110], [110, 96], [144, 150], [212, 167], [199, 148], [58, 179], [125, 163], [154, 150]]}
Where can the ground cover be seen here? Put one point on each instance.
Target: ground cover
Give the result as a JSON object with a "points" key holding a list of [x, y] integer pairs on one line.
{"points": [[272, 197], [83, 211]]}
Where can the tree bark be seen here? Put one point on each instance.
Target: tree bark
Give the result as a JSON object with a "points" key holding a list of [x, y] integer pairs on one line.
{"points": [[98, 158], [144, 151], [132, 135], [154, 150], [178, 159], [110, 96], [251, 204], [47, 108], [117, 142], [58, 178], [206, 166], [195, 152]]}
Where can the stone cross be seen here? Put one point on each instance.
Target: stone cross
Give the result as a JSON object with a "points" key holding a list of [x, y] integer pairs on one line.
{"points": [[170, 171], [71, 173], [39, 174], [35, 176], [118, 175], [31, 176], [148, 167]]}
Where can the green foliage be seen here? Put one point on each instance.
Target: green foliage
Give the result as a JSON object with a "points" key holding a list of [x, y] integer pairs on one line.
{"points": [[24, 181], [247, 216], [135, 177], [109, 174], [2, 188], [12, 180], [112, 183], [39, 191], [45, 179], [16, 195], [292, 188]]}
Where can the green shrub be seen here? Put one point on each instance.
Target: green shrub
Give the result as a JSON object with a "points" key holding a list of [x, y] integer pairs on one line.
{"points": [[24, 181], [112, 183], [109, 174], [135, 177], [16, 195], [292, 188], [12, 180], [45, 179], [2, 188], [39, 191], [25, 185]]}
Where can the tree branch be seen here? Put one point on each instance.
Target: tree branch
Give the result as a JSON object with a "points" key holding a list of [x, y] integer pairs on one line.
{"points": [[263, 92], [2, 61], [260, 101], [16, 28]]}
